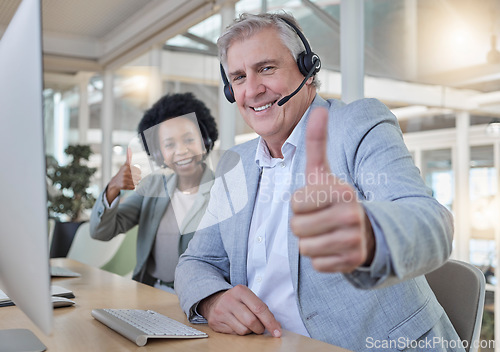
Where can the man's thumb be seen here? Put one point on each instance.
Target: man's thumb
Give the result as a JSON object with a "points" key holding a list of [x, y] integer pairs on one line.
{"points": [[316, 141]]}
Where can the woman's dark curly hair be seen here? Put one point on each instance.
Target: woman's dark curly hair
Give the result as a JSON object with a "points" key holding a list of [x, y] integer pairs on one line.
{"points": [[175, 105]]}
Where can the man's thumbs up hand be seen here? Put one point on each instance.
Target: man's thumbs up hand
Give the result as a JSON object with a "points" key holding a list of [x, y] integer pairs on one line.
{"points": [[331, 224]]}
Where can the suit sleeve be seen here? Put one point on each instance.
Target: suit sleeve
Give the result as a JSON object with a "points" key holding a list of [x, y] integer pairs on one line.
{"points": [[106, 223], [413, 232]]}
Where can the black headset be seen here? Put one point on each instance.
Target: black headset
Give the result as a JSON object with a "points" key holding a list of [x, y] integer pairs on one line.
{"points": [[154, 150], [309, 64], [209, 144]]}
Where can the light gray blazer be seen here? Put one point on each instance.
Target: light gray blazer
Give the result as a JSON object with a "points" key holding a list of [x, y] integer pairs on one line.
{"points": [[145, 207], [389, 304]]}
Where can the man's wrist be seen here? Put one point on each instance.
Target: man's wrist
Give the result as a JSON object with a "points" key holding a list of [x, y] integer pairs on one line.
{"points": [[206, 304]]}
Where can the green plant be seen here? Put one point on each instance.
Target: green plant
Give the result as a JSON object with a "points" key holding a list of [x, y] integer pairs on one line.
{"points": [[488, 326], [72, 182]]}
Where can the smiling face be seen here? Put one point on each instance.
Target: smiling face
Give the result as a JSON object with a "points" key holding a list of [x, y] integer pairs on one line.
{"points": [[262, 71], [181, 146]]}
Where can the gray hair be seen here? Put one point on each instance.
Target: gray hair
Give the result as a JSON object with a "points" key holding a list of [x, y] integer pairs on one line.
{"points": [[246, 25]]}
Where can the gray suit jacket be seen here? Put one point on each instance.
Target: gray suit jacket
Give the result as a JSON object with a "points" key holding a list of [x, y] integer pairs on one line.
{"points": [[145, 207], [389, 304]]}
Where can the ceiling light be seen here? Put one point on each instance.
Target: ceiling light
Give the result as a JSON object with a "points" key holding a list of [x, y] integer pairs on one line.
{"points": [[118, 150]]}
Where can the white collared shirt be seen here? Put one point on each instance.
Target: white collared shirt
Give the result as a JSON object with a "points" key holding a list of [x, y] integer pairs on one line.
{"points": [[268, 268]]}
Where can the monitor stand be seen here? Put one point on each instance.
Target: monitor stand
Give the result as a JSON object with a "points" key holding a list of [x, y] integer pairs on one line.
{"points": [[17, 340]]}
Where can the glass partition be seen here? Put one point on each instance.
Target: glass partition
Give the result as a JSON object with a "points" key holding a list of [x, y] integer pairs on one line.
{"points": [[438, 174], [483, 209]]}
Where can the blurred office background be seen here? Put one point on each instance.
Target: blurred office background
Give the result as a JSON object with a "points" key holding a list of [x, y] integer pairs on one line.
{"points": [[435, 63]]}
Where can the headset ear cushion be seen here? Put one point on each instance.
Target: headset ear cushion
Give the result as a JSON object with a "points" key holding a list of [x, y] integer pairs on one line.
{"points": [[302, 64], [306, 63], [228, 92], [208, 143]]}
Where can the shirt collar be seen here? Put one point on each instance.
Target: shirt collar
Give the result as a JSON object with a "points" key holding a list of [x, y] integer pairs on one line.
{"points": [[263, 157]]}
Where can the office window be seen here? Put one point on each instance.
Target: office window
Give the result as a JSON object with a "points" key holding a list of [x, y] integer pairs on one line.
{"points": [[484, 212], [438, 175]]}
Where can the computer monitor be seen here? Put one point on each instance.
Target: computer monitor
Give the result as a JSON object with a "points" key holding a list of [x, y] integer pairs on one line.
{"points": [[24, 255]]}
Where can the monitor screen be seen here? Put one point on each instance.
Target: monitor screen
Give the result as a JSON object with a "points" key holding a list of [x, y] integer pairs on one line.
{"points": [[24, 257]]}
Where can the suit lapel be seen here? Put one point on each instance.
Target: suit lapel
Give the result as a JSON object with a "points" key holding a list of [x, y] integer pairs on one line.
{"points": [[236, 231]]}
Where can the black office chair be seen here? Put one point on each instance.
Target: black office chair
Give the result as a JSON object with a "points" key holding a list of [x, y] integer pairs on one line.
{"points": [[460, 289]]}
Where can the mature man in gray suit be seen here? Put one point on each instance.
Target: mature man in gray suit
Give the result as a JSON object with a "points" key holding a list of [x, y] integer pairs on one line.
{"points": [[334, 230]]}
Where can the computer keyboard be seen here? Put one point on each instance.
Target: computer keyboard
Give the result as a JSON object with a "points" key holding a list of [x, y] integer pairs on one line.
{"points": [[139, 325], [59, 271]]}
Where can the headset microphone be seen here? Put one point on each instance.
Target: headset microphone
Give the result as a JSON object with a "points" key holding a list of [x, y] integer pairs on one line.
{"points": [[311, 72]]}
